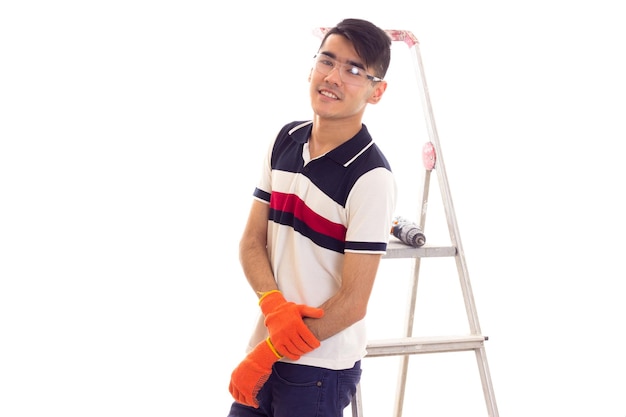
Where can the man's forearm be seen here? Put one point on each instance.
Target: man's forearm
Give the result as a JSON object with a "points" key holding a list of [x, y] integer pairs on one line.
{"points": [[256, 266], [337, 317]]}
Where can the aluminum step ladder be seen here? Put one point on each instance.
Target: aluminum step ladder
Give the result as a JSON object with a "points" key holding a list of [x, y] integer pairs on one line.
{"points": [[409, 345]]}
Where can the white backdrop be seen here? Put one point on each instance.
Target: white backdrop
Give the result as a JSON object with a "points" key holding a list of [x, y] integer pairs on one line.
{"points": [[131, 139]]}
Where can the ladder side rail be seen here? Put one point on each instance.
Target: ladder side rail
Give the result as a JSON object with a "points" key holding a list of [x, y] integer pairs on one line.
{"points": [[446, 195], [357, 402], [410, 313], [404, 359], [485, 378], [424, 200]]}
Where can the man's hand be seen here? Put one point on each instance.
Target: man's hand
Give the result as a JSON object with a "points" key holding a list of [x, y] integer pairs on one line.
{"points": [[290, 336], [252, 373]]}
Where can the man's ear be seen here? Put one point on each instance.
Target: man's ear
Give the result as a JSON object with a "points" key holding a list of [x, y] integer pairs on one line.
{"points": [[378, 92], [310, 74]]}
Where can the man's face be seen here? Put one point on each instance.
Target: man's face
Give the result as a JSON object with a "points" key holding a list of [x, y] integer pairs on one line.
{"points": [[335, 94]]}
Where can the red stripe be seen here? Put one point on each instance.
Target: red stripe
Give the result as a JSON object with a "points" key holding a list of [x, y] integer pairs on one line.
{"points": [[290, 203]]}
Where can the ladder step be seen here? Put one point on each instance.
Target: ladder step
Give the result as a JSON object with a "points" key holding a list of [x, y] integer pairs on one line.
{"points": [[397, 249], [416, 345]]}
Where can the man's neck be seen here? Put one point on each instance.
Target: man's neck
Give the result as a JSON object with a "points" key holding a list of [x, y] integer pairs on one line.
{"points": [[326, 134]]}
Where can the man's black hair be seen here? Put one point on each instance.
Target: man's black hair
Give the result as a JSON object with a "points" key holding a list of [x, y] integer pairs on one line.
{"points": [[372, 44]]}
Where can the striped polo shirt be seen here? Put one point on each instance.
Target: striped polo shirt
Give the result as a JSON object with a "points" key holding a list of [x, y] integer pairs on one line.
{"points": [[342, 201]]}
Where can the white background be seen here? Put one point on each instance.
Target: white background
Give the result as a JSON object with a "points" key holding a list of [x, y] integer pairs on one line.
{"points": [[131, 139]]}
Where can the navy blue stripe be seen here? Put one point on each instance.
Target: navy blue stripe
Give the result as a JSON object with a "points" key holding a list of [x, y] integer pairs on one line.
{"points": [[367, 246], [288, 219], [262, 195]]}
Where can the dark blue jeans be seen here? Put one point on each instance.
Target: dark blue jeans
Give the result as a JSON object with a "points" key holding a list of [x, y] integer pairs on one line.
{"points": [[303, 391]]}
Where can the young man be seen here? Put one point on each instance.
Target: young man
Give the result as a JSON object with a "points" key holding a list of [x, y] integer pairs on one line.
{"points": [[318, 226]]}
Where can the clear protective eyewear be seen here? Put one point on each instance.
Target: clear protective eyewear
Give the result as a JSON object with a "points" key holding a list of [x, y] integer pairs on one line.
{"points": [[349, 72]]}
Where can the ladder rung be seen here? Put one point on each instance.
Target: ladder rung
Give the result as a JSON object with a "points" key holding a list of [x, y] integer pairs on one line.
{"points": [[415, 345], [397, 249]]}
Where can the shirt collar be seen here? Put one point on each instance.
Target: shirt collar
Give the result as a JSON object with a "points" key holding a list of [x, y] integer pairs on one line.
{"points": [[345, 153]]}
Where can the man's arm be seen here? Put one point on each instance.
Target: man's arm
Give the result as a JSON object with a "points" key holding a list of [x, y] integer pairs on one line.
{"points": [[349, 304], [253, 250]]}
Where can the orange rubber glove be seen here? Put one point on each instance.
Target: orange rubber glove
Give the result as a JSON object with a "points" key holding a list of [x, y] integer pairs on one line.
{"points": [[290, 336], [252, 373]]}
